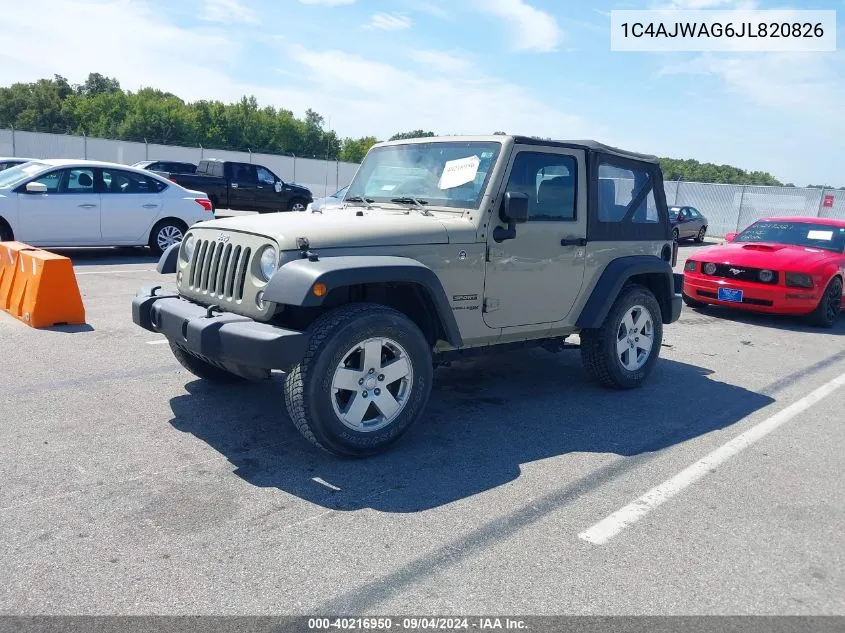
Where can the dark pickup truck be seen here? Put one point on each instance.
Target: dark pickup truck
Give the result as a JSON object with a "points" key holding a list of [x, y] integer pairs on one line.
{"points": [[244, 186]]}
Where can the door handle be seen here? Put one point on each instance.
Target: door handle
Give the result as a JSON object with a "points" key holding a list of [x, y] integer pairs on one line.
{"points": [[234, 185], [579, 241], [87, 205], [151, 206]]}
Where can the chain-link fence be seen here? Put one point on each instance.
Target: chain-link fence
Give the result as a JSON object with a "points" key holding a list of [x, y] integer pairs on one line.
{"points": [[322, 177], [728, 208]]}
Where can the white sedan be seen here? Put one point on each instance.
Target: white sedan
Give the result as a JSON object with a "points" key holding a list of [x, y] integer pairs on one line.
{"points": [[61, 202]]}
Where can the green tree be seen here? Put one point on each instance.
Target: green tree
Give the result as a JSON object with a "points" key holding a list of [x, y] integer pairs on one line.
{"points": [[415, 134], [353, 150]]}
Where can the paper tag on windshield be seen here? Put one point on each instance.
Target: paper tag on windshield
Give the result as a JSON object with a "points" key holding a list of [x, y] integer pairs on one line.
{"points": [[820, 235], [459, 172]]}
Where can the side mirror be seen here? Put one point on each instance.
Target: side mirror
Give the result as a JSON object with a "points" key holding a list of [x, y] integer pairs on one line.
{"points": [[278, 186], [514, 210], [36, 187], [515, 207], [730, 237]]}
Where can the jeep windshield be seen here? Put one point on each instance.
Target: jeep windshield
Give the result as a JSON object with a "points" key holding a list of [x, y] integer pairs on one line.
{"points": [[441, 174], [806, 234]]}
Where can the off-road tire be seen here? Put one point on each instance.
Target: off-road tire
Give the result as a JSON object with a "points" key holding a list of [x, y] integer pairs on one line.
{"points": [[827, 312], [166, 223], [202, 369], [693, 303], [308, 386], [699, 238], [598, 345]]}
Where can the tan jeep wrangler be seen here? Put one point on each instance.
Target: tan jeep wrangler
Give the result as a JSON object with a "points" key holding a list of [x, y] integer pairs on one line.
{"points": [[444, 247]]}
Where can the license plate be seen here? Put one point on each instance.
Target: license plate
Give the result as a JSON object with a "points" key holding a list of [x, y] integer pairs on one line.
{"points": [[729, 294]]}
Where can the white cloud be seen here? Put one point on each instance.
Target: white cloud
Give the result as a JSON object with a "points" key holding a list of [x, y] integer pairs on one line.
{"points": [[227, 11], [806, 86], [388, 22], [441, 61], [536, 30], [373, 97], [327, 3], [431, 7], [707, 4]]}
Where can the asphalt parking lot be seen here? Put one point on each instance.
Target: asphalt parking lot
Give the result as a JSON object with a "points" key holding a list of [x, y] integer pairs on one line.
{"points": [[130, 487]]}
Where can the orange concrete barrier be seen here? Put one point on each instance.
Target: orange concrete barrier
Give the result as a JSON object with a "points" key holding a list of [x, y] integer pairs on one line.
{"points": [[8, 264], [43, 291]]}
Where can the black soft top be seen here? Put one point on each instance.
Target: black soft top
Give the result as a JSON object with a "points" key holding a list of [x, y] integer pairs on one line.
{"points": [[590, 146]]}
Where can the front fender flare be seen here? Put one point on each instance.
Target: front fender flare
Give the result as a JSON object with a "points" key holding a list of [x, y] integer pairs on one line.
{"points": [[292, 283]]}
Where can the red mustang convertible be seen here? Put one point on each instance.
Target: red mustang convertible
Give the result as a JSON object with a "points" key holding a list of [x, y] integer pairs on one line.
{"points": [[776, 265]]}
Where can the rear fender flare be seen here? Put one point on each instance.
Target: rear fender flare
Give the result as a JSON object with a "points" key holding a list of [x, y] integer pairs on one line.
{"points": [[617, 273]]}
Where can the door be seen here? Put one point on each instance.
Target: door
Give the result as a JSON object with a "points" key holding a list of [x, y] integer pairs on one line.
{"points": [[536, 276], [696, 221], [69, 213], [130, 203], [243, 184], [267, 197]]}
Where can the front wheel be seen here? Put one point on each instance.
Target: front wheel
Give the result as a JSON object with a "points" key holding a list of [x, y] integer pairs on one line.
{"points": [[202, 369], [693, 303], [827, 312], [364, 381], [622, 352], [701, 233]]}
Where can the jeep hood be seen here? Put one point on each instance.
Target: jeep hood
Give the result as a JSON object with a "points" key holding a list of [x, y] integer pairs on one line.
{"points": [[338, 228]]}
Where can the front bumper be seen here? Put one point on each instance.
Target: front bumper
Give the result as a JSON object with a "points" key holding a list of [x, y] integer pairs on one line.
{"points": [[221, 337], [756, 297]]}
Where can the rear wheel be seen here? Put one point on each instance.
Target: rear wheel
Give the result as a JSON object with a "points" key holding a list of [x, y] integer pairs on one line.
{"points": [[297, 204], [827, 312], [364, 381], [622, 352], [165, 234]]}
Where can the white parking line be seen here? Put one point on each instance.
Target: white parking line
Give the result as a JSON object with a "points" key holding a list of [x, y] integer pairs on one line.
{"points": [[606, 529], [159, 342], [116, 272]]}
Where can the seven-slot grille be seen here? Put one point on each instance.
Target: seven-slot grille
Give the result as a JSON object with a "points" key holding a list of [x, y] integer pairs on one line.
{"points": [[741, 273], [219, 269]]}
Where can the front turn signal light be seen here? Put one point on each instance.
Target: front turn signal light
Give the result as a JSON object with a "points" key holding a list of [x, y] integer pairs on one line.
{"points": [[319, 290]]}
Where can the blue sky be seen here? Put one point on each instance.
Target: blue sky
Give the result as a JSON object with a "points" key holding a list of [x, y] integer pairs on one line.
{"points": [[539, 67]]}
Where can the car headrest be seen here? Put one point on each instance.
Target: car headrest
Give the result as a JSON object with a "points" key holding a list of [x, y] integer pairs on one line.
{"points": [[84, 180]]}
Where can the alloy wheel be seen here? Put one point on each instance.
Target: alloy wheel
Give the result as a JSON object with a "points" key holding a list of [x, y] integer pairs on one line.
{"points": [[635, 338], [372, 384], [168, 236]]}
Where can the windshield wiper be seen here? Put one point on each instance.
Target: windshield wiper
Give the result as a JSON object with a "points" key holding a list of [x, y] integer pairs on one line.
{"points": [[414, 201], [365, 201]]}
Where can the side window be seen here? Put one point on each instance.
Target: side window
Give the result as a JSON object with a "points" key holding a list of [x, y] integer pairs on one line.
{"points": [[265, 177], [77, 181], [118, 181], [549, 180], [244, 173], [51, 180], [618, 188]]}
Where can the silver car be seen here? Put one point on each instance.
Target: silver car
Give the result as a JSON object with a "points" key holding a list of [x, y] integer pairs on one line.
{"points": [[334, 201]]}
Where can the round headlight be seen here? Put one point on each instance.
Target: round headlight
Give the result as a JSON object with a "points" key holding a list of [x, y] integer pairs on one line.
{"points": [[766, 276], [268, 262], [710, 268], [188, 245]]}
